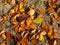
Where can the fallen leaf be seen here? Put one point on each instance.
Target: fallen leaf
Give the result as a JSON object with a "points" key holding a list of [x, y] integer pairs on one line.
{"points": [[31, 12], [55, 42], [41, 36], [34, 41], [17, 28], [8, 35], [5, 17], [23, 25], [18, 43], [38, 20], [24, 41], [33, 26], [29, 21]]}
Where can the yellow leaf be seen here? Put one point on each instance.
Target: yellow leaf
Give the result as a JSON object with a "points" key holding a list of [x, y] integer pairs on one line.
{"points": [[18, 43], [41, 38], [31, 12], [38, 20], [3, 43], [5, 18]]}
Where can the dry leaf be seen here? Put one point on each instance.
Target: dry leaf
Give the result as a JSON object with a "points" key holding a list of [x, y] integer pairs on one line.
{"points": [[18, 43], [3, 36], [8, 35], [33, 26], [2, 44], [42, 10], [24, 41], [41, 36], [50, 35], [34, 41], [55, 42], [12, 12], [17, 28], [29, 21], [31, 12], [38, 20], [5, 17], [23, 25], [21, 7], [1, 19], [3, 31]]}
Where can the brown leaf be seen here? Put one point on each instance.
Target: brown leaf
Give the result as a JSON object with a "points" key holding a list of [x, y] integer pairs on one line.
{"points": [[8, 35], [23, 25], [12, 12], [17, 28], [34, 41], [33, 26], [24, 41]]}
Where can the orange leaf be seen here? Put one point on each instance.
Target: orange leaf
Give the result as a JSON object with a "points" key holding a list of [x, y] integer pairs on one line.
{"points": [[29, 21], [34, 41], [8, 35], [17, 28], [23, 25], [24, 41]]}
